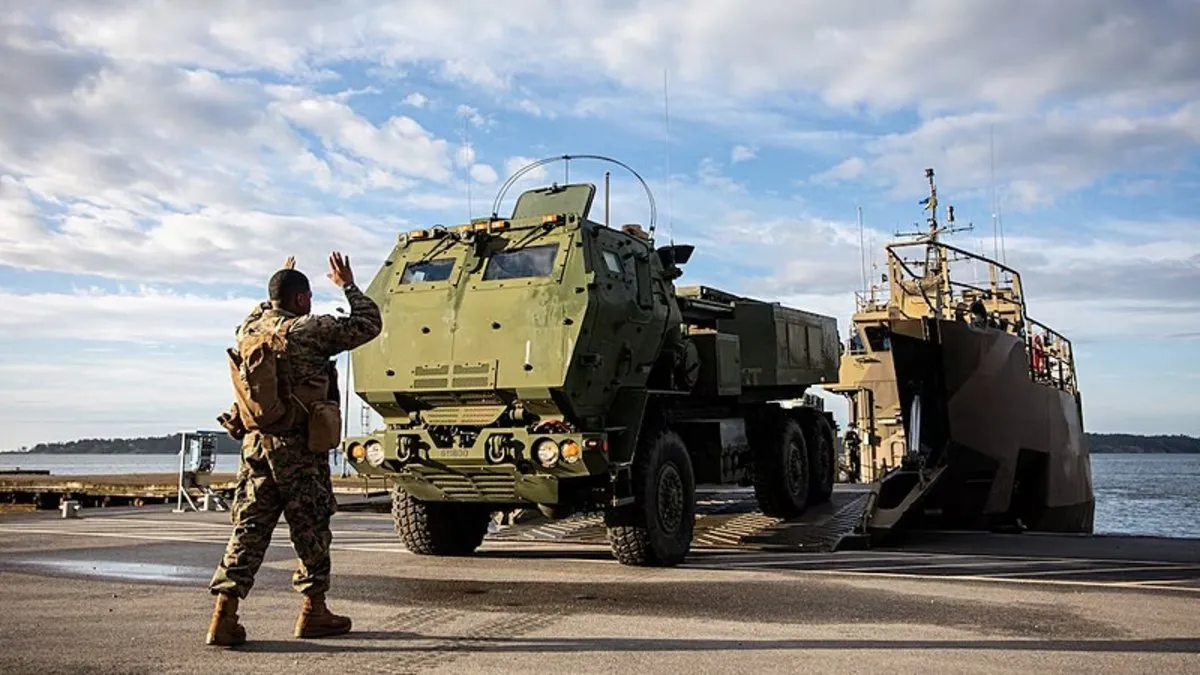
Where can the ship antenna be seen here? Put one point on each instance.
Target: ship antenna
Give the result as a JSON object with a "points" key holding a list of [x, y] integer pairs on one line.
{"points": [[995, 204], [1003, 250], [667, 142], [931, 204], [862, 250]]}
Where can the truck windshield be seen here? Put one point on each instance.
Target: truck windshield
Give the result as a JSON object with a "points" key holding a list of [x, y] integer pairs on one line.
{"points": [[430, 270], [535, 261]]}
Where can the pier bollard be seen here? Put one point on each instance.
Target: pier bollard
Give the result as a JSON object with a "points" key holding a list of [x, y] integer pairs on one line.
{"points": [[70, 509]]}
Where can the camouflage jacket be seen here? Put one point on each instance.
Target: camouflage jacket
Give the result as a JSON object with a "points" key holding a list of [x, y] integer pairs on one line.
{"points": [[314, 339]]}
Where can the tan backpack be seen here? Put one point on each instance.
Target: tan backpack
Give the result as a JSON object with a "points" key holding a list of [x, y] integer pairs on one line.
{"points": [[259, 370]]}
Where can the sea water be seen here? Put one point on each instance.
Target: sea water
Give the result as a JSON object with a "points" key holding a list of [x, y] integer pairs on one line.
{"points": [[1138, 494]]}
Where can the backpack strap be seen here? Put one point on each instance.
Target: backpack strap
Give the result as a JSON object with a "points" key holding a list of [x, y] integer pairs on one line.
{"points": [[282, 325]]}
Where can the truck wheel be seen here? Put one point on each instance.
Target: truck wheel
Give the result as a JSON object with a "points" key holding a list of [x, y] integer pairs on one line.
{"points": [[435, 528], [781, 471], [657, 529], [822, 459]]}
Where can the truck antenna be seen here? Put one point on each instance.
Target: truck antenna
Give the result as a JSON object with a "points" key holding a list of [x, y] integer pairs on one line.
{"points": [[667, 140], [607, 174]]}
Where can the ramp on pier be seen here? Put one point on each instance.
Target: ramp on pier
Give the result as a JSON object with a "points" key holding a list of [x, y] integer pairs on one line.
{"points": [[725, 518]]}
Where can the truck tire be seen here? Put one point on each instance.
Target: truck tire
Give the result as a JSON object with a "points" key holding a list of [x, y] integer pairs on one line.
{"points": [[436, 528], [822, 458], [781, 469], [657, 529]]}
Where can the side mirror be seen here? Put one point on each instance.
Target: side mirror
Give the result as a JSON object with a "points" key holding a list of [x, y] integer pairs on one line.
{"points": [[677, 254]]}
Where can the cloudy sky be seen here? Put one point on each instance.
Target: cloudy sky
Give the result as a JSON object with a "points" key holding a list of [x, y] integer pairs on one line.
{"points": [[153, 153]]}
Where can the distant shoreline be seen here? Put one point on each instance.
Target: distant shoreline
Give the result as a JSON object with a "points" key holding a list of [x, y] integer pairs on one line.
{"points": [[225, 453], [1100, 444]]}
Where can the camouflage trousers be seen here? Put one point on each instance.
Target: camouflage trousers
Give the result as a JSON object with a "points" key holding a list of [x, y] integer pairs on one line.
{"points": [[279, 475]]}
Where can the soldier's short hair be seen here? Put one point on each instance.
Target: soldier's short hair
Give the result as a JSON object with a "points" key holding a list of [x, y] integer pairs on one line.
{"points": [[285, 284]]}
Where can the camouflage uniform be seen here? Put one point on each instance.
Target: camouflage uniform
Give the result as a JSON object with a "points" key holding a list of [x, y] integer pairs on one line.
{"points": [[279, 475]]}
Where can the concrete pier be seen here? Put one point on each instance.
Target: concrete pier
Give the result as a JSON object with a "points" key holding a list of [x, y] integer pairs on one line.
{"points": [[124, 590]]}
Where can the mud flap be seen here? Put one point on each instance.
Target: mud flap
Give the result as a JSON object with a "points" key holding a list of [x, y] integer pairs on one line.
{"points": [[627, 416]]}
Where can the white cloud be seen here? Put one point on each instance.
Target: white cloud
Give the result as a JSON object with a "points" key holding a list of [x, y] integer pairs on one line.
{"points": [[150, 172], [464, 155], [148, 316], [483, 173], [742, 153], [710, 174], [932, 54], [401, 144], [531, 178], [17, 212], [211, 245], [531, 107], [1037, 158], [846, 170], [886, 53], [416, 100], [471, 114]]}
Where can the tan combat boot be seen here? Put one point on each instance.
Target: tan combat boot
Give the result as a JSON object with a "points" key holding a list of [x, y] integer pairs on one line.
{"points": [[224, 629], [317, 621]]}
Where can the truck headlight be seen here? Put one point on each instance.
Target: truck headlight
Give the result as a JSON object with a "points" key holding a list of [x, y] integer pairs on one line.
{"points": [[547, 452], [375, 453]]}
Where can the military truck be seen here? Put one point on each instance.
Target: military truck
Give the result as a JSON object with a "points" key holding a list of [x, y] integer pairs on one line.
{"points": [[547, 360]]}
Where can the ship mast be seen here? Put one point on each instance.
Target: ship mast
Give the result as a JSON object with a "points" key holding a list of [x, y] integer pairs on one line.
{"points": [[935, 275], [937, 268]]}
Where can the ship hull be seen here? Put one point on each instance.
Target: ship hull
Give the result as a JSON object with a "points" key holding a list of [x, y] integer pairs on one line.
{"points": [[1012, 448]]}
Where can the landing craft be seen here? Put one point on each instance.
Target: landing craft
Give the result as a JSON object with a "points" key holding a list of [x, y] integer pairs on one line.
{"points": [[965, 411], [545, 360]]}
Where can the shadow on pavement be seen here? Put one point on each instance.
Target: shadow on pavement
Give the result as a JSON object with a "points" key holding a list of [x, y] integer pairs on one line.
{"points": [[506, 645]]}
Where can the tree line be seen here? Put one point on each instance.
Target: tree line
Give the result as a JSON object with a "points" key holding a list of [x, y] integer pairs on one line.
{"points": [[169, 445], [147, 445], [1173, 444]]}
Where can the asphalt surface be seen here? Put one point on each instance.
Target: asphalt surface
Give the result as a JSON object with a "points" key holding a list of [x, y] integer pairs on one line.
{"points": [[124, 590]]}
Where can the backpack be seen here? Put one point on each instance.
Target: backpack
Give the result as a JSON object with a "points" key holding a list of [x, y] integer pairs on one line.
{"points": [[259, 369]]}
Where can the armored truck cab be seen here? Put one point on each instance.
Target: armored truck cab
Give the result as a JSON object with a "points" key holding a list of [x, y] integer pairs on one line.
{"points": [[547, 360]]}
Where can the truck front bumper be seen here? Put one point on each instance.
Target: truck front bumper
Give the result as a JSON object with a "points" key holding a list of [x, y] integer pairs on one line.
{"points": [[501, 466]]}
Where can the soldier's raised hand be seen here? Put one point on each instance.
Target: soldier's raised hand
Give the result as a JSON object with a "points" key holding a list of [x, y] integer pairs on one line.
{"points": [[339, 270], [290, 263]]}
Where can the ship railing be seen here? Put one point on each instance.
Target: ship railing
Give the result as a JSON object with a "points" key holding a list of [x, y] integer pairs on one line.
{"points": [[1051, 357], [874, 300], [1006, 309], [900, 292], [1000, 289]]}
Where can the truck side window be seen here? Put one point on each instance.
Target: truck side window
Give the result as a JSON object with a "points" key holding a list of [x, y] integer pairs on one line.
{"points": [[613, 262]]}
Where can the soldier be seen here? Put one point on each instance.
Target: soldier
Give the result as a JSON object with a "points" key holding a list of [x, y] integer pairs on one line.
{"points": [[853, 443], [282, 472]]}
